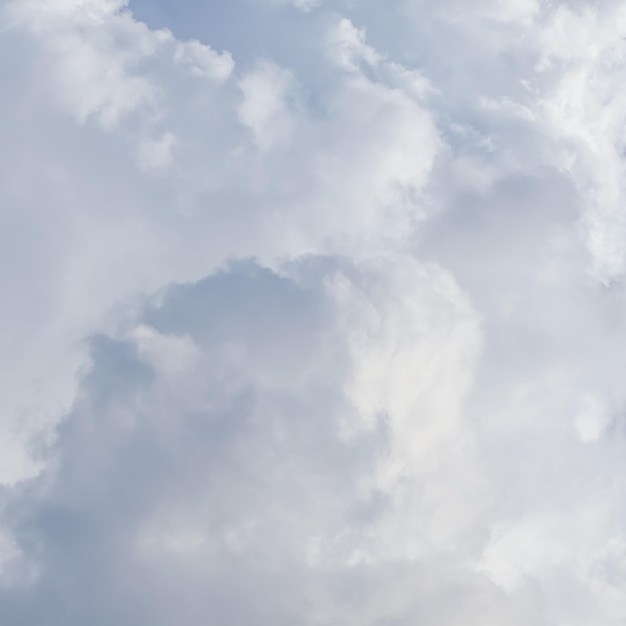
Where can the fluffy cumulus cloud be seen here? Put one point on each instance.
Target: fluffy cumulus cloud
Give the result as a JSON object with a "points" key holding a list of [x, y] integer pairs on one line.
{"points": [[313, 312]]}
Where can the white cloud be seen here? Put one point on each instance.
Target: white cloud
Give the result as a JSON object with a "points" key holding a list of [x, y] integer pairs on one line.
{"points": [[410, 407], [265, 108], [349, 47], [583, 107], [248, 375], [91, 49], [203, 60]]}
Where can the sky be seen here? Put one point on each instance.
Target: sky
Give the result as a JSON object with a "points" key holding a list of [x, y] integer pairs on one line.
{"points": [[313, 312]]}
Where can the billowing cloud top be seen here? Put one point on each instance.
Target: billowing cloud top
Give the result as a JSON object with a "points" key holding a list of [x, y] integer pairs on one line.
{"points": [[313, 313]]}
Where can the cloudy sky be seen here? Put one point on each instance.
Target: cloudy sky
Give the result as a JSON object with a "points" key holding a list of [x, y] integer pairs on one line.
{"points": [[313, 312]]}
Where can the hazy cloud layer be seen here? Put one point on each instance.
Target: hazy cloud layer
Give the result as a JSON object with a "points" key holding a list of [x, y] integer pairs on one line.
{"points": [[318, 320]]}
